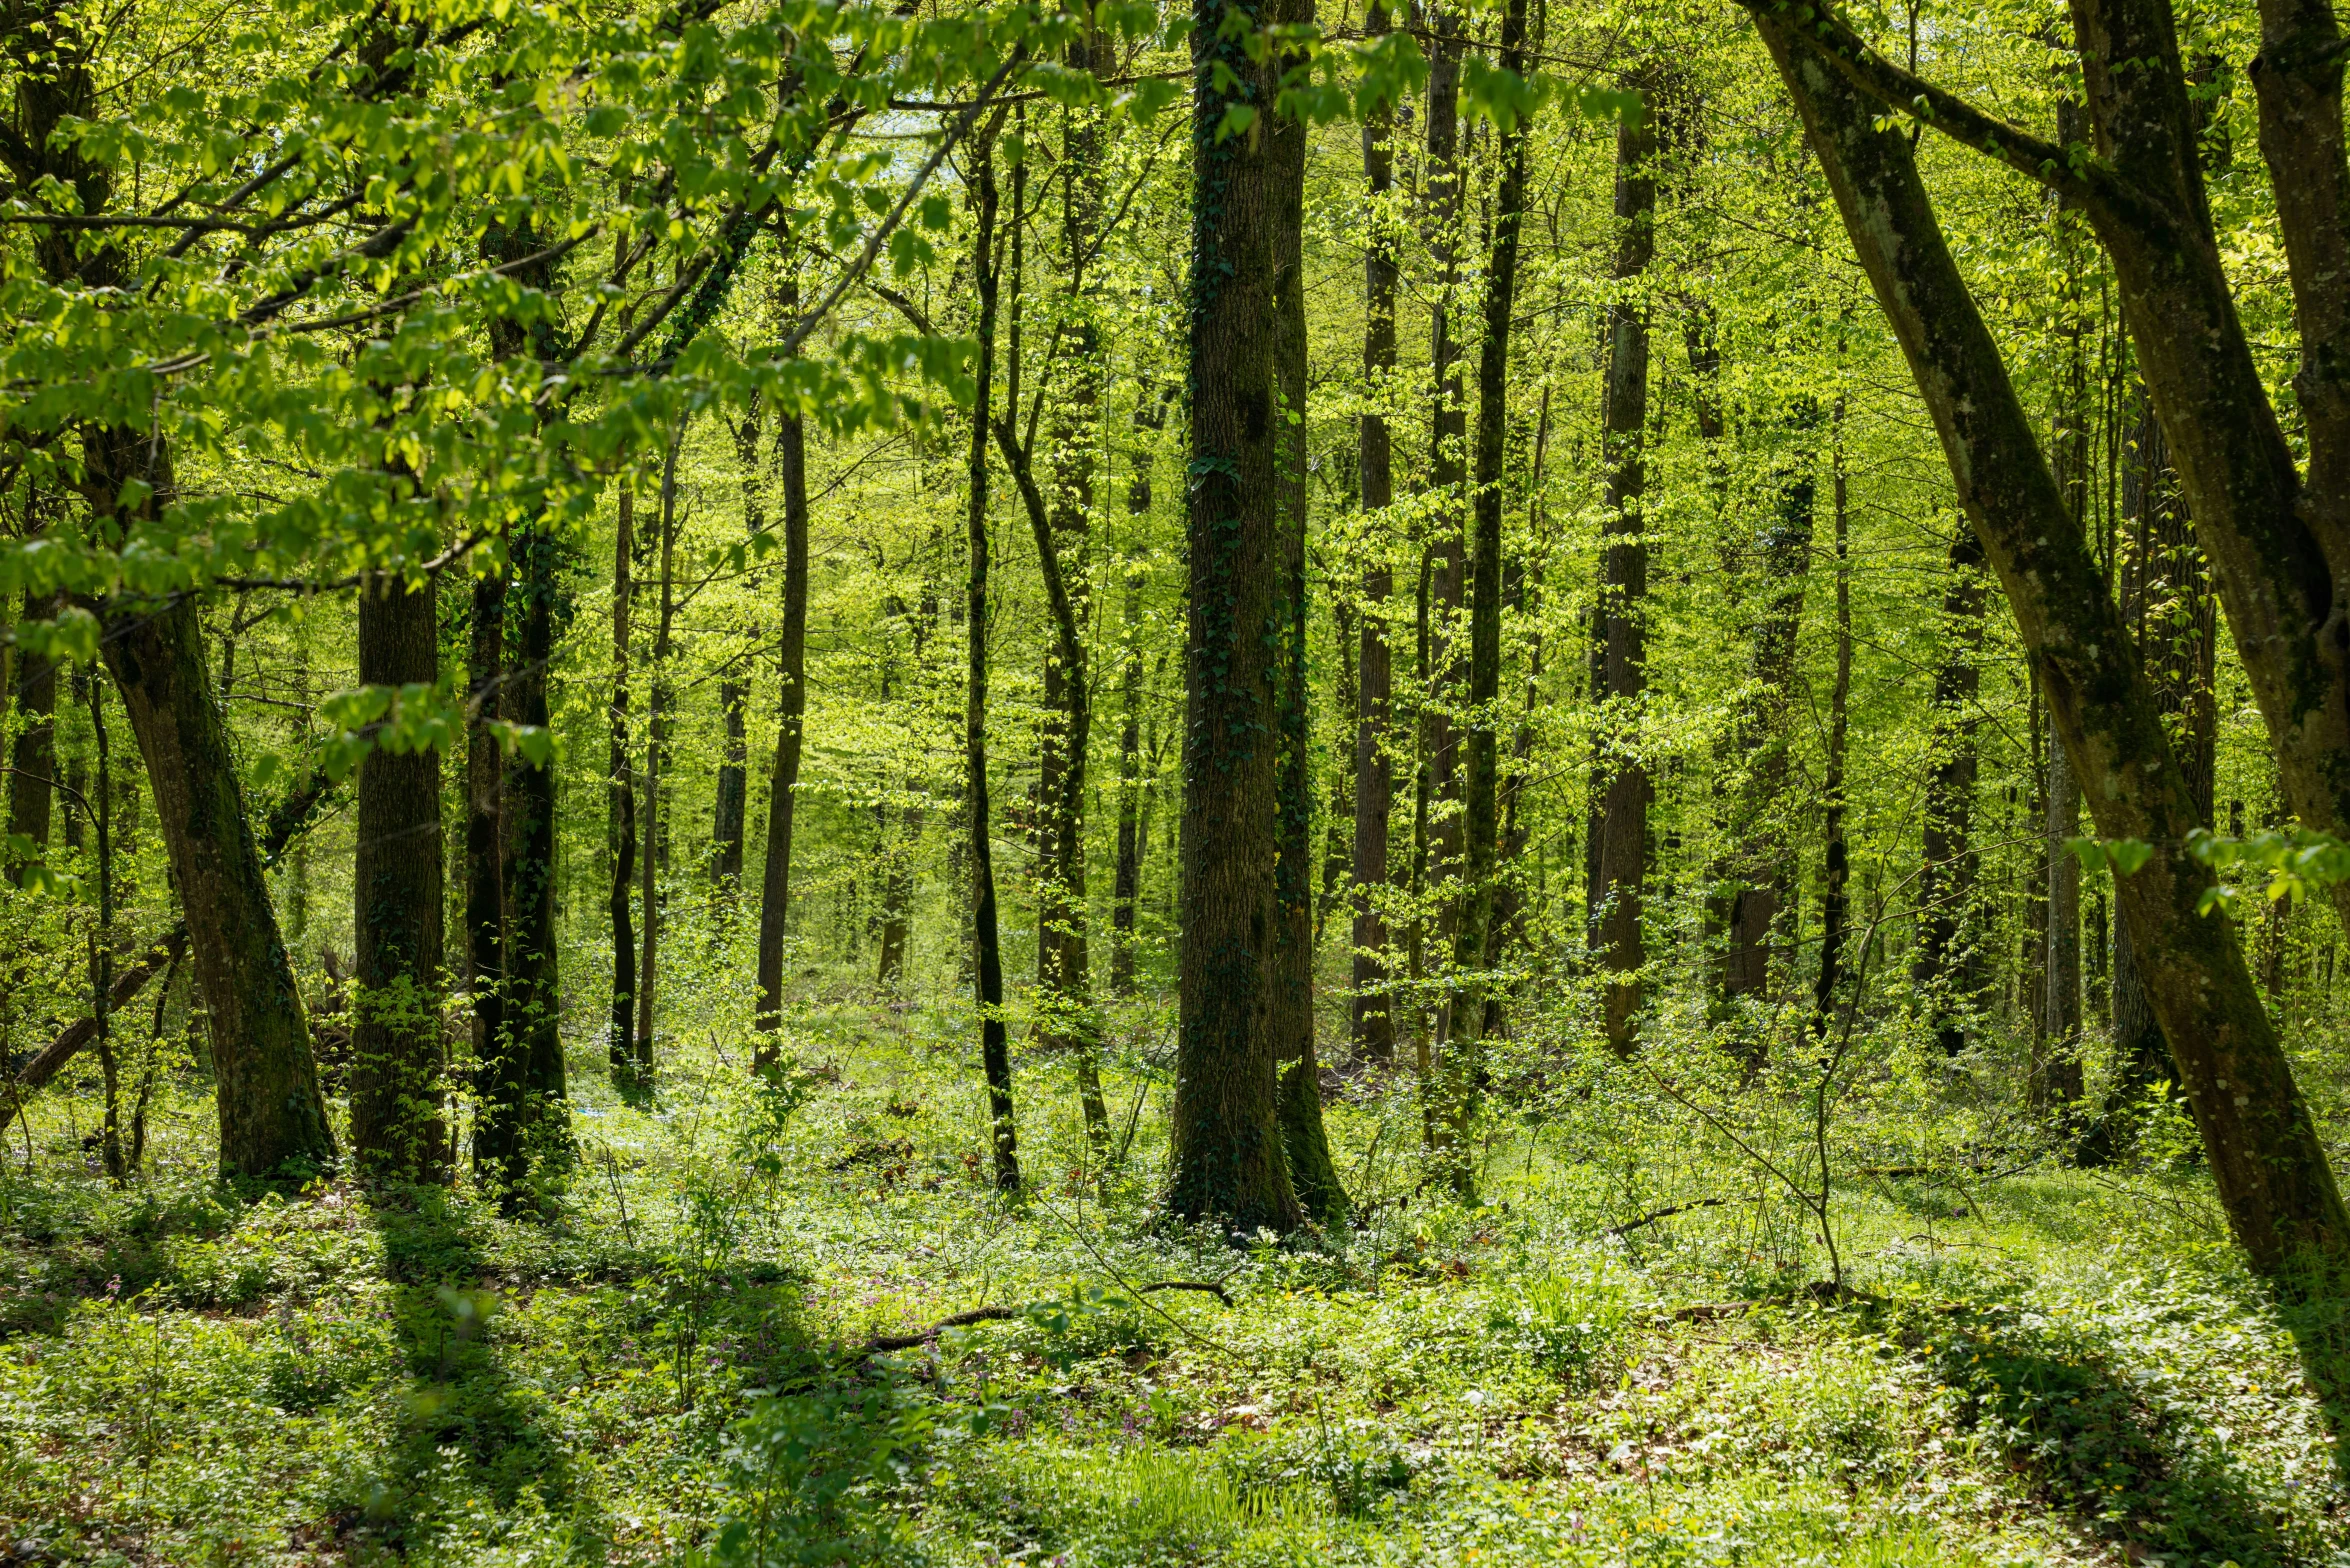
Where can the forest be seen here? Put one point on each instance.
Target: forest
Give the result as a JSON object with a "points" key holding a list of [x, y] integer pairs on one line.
{"points": [[1084, 782]]}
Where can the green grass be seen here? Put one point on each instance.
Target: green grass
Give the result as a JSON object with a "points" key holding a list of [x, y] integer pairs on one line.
{"points": [[665, 1366]]}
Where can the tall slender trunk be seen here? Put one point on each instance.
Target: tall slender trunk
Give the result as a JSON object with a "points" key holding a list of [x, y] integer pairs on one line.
{"points": [[1226, 1158], [1304, 1140], [791, 454], [1464, 1072], [497, 1132], [2056, 1074], [32, 760], [1944, 967], [534, 1000], [620, 785], [657, 825], [897, 889], [102, 939], [398, 1130], [1374, 793], [1126, 884], [1762, 915], [726, 814], [2170, 610], [1619, 817], [1337, 835], [994, 1049], [1448, 462], [1835, 871]]}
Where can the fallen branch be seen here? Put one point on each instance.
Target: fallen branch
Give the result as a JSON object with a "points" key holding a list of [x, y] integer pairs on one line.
{"points": [[1663, 1214], [881, 1342]]}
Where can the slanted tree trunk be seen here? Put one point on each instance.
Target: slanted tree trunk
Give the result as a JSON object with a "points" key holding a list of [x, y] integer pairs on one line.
{"points": [[994, 1049], [1226, 1159], [1304, 1140], [2267, 1162], [1835, 871], [620, 783], [1619, 815], [32, 760], [791, 454], [1944, 967], [1374, 792], [398, 1129]]}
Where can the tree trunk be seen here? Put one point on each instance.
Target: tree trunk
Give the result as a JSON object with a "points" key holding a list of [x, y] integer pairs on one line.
{"points": [[398, 1129], [1944, 968], [533, 992], [726, 816], [1226, 1159], [897, 891], [620, 783], [33, 759], [1464, 1068], [658, 826], [497, 1129], [1304, 1140], [2267, 1162], [2170, 610], [271, 1114], [1619, 819], [1836, 855], [994, 1049], [791, 452], [1448, 464], [1150, 417], [1374, 793]]}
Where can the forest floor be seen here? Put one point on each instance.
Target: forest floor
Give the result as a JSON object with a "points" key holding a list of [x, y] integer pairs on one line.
{"points": [[671, 1358]]}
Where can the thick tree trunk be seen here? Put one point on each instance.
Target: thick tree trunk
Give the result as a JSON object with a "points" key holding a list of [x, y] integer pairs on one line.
{"points": [[620, 782], [994, 1048], [2266, 1159], [791, 453], [398, 1127], [32, 761], [1619, 816], [1944, 967], [1226, 1159], [1304, 1141], [1836, 854], [271, 1113], [1374, 791]]}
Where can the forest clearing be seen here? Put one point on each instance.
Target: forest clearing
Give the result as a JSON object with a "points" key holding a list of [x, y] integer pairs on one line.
{"points": [[796, 781]]}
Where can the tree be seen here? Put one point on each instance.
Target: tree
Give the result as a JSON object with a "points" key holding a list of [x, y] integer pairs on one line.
{"points": [[1226, 1157]]}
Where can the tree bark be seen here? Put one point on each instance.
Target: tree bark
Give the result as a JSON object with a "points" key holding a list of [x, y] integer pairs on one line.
{"points": [[1619, 818], [1836, 854], [2266, 1159], [399, 1132], [620, 783], [791, 453], [1226, 1160], [272, 1117], [498, 1159], [1126, 886], [658, 827], [1374, 792], [1304, 1140], [1448, 464], [994, 1048], [533, 991], [1464, 1069]]}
